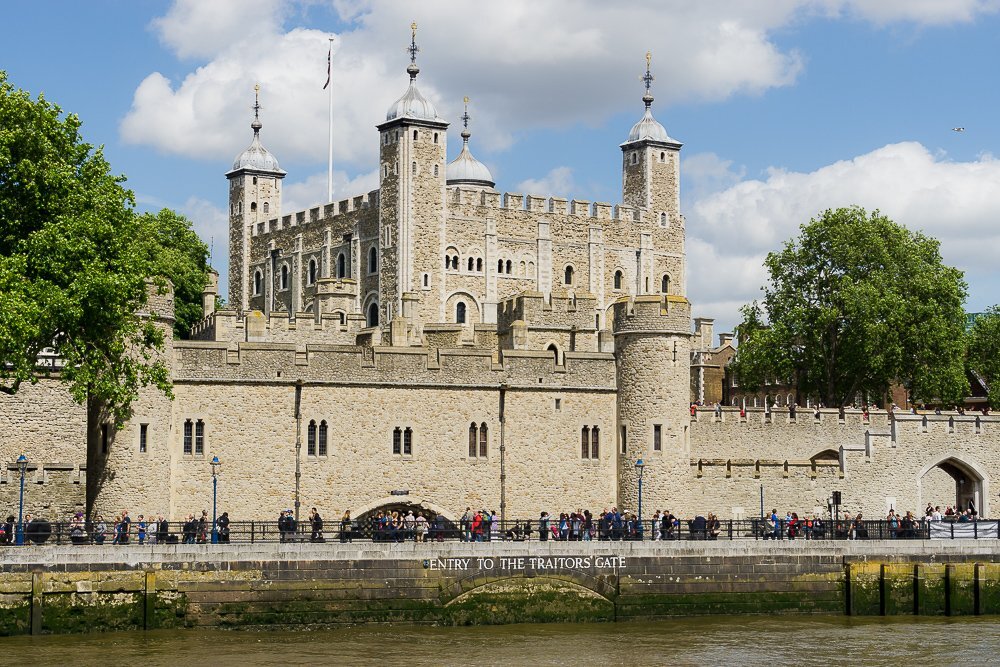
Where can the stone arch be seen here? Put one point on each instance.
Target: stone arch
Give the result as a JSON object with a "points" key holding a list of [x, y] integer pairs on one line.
{"points": [[557, 352], [477, 582], [369, 509], [972, 481], [472, 307]]}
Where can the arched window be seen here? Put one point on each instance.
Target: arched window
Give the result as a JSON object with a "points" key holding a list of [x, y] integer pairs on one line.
{"points": [[413, 168], [341, 266], [414, 135], [555, 351], [523, 269], [435, 137], [373, 260], [569, 276], [322, 438], [585, 442], [618, 279], [665, 284], [284, 276], [266, 207], [407, 441], [373, 315], [663, 157], [199, 438], [500, 266], [427, 280], [312, 271], [258, 282], [311, 438], [473, 438], [460, 312], [188, 436], [435, 170], [397, 440], [471, 263], [255, 180], [595, 443], [663, 218], [343, 318], [509, 267], [483, 440], [253, 206], [479, 264]]}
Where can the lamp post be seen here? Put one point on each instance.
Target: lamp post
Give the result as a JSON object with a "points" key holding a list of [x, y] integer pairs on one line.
{"points": [[22, 466], [215, 489], [639, 467]]}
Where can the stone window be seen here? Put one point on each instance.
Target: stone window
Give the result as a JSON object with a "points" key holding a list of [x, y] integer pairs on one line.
{"points": [[435, 170], [397, 440], [343, 318], [427, 280], [663, 156], [373, 315], [663, 219], [322, 438], [199, 437], [657, 437], [105, 438], [188, 436], [435, 137], [267, 207], [524, 270], [373, 260], [509, 267], [484, 441], [255, 180], [665, 284], [311, 438], [407, 441], [413, 168], [568, 277], [284, 276], [595, 443], [143, 437], [341, 266], [460, 312], [471, 263], [415, 135], [479, 264], [385, 171], [618, 279], [253, 207], [312, 271], [499, 266], [585, 442], [624, 438], [473, 439]]}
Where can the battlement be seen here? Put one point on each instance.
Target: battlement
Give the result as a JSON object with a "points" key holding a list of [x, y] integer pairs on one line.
{"points": [[390, 366], [324, 213], [668, 313], [52, 491], [254, 326], [558, 309], [514, 201]]}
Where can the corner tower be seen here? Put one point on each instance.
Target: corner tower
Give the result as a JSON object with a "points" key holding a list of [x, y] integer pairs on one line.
{"points": [[412, 158], [254, 196]]}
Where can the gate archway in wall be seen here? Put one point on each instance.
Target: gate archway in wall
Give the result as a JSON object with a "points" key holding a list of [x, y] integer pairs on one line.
{"points": [[954, 480], [364, 515]]}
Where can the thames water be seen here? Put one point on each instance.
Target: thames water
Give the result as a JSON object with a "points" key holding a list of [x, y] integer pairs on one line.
{"points": [[730, 641]]}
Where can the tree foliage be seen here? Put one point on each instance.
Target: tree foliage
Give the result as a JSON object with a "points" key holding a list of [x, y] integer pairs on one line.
{"points": [[71, 274], [853, 304], [172, 250], [984, 351]]}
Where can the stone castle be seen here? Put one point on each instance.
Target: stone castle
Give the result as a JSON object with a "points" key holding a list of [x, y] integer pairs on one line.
{"points": [[437, 344]]}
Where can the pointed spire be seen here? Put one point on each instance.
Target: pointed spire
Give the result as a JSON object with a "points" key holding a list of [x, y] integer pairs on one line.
{"points": [[256, 124], [413, 70], [648, 79], [465, 122]]}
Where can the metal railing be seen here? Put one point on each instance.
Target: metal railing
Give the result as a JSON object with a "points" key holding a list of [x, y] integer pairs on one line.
{"points": [[439, 530]]}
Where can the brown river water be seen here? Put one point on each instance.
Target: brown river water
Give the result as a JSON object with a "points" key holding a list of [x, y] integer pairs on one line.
{"points": [[729, 641]]}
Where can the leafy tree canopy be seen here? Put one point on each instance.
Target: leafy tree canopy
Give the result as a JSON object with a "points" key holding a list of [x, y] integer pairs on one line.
{"points": [[984, 351], [174, 251], [853, 304], [71, 274]]}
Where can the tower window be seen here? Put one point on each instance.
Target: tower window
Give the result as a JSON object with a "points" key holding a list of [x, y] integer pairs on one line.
{"points": [[427, 280], [341, 266], [460, 313], [657, 437], [663, 156], [408, 442], [585, 442], [311, 439], [413, 168], [266, 207], [473, 439], [618, 279], [199, 437], [373, 315], [397, 440], [483, 440], [663, 219], [143, 437], [253, 206], [569, 276], [435, 137], [500, 266], [373, 260], [471, 263], [414, 135], [595, 443], [624, 438], [635, 158], [509, 267], [255, 180], [188, 436], [312, 271], [435, 170], [322, 438], [665, 284], [479, 264], [258, 282], [284, 276]]}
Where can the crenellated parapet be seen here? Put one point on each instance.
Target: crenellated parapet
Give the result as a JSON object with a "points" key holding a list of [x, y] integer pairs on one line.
{"points": [[329, 213], [666, 313]]}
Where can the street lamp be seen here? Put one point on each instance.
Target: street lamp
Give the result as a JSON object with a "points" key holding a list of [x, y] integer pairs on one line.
{"points": [[639, 466], [22, 465], [216, 464]]}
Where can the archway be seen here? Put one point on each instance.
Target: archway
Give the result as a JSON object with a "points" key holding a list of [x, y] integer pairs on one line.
{"points": [[365, 515], [954, 480]]}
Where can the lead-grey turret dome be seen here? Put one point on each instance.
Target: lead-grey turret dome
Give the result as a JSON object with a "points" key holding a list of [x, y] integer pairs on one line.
{"points": [[466, 169], [256, 157]]}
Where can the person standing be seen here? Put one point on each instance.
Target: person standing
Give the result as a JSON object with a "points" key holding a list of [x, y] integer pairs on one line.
{"points": [[316, 524], [222, 525], [345, 527], [466, 525], [203, 527], [141, 530], [543, 527], [162, 529]]}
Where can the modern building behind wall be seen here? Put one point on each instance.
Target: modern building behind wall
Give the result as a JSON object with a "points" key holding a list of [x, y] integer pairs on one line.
{"points": [[438, 344]]}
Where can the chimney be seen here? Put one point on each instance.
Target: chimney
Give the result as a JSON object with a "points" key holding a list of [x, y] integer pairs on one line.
{"points": [[703, 332], [725, 339]]}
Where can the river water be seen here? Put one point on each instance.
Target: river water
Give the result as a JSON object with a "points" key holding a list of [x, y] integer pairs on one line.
{"points": [[728, 641]]}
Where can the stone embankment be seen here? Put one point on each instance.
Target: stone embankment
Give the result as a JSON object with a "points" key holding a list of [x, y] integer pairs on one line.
{"points": [[75, 589]]}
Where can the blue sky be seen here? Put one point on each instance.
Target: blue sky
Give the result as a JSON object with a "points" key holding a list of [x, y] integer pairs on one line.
{"points": [[785, 107]]}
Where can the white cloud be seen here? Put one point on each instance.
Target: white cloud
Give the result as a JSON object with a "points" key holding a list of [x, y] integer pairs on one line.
{"points": [[195, 28], [558, 182], [731, 231], [922, 12]]}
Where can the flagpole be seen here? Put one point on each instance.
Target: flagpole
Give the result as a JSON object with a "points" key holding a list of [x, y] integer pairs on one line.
{"points": [[329, 176]]}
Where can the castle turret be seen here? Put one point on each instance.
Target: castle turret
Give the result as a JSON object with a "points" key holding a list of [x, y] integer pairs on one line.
{"points": [[413, 152], [652, 350], [254, 196]]}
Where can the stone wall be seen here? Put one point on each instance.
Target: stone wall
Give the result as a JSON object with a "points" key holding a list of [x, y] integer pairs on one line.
{"points": [[83, 589]]}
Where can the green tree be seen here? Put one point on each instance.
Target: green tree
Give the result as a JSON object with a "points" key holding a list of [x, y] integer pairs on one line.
{"points": [[172, 250], [71, 275], [853, 304], [984, 351]]}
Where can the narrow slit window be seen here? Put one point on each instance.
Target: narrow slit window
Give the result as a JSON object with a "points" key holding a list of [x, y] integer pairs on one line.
{"points": [[585, 442], [657, 437], [143, 437], [595, 443], [397, 440], [199, 437], [483, 440], [322, 438], [473, 439], [408, 442], [188, 436], [311, 439]]}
